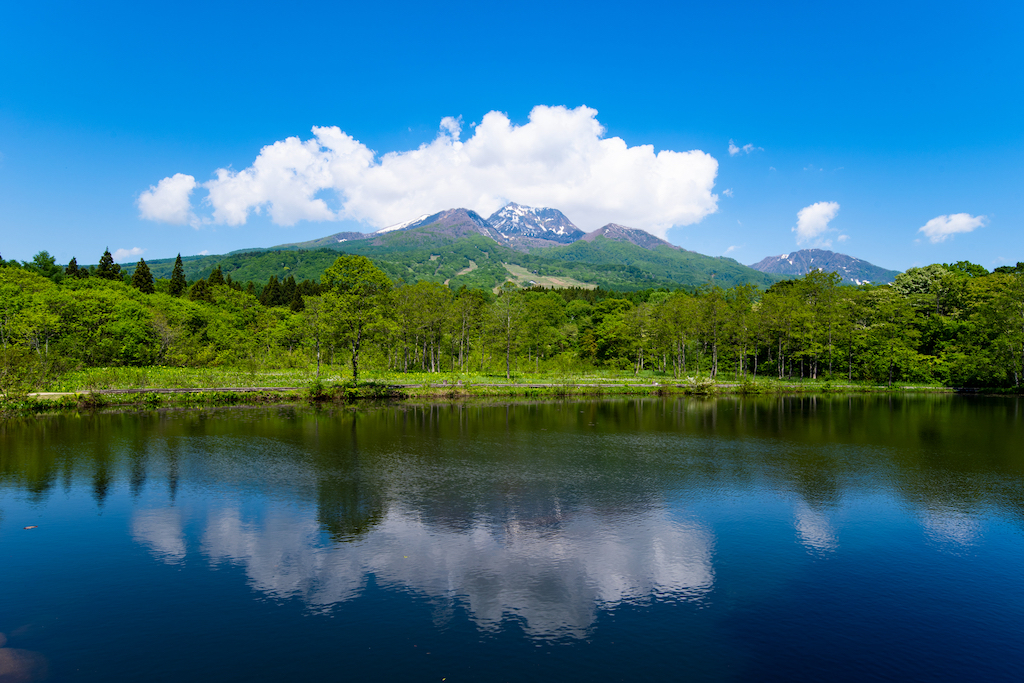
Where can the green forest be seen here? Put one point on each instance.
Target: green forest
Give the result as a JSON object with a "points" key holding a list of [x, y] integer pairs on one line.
{"points": [[946, 324], [477, 262]]}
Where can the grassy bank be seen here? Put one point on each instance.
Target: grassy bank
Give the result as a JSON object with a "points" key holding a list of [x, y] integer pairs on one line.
{"points": [[157, 377], [148, 388]]}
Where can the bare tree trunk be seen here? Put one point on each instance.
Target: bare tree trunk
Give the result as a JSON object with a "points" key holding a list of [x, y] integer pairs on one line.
{"points": [[355, 353]]}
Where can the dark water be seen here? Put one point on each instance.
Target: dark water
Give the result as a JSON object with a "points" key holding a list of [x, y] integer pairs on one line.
{"points": [[730, 539]]}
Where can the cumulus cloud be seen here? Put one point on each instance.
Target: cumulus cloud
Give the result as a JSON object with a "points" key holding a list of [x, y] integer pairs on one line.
{"points": [[731, 249], [559, 158], [735, 150], [941, 228], [127, 254], [843, 238], [727, 192], [812, 222], [168, 201]]}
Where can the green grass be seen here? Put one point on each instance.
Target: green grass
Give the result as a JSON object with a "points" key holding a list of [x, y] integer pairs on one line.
{"points": [[93, 379]]}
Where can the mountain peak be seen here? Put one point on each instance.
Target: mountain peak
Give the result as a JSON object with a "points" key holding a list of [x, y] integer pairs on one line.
{"points": [[454, 222], [620, 233], [854, 271], [518, 221]]}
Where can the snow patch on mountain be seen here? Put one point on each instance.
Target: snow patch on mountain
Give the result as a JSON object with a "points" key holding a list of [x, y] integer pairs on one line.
{"points": [[514, 220]]}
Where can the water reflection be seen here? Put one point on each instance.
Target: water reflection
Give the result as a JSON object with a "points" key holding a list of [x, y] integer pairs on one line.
{"points": [[553, 580], [814, 529], [954, 528], [541, 514], [20, 666], [161, 531]]}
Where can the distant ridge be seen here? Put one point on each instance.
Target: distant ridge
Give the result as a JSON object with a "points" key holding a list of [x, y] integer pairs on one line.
{"points": [[459, 247], [621, 233], [854, 271], [523, 228]]}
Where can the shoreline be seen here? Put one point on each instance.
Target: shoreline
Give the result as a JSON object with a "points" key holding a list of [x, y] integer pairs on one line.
{"points": [[151, 398]]}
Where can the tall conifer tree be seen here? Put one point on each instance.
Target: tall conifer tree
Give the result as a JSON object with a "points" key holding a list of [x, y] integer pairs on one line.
{"points": [[178, 282], [142, 279], [108, 270], [216, 277], [271, 294]]}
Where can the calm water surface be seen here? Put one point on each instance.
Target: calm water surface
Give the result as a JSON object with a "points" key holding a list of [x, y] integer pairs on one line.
{"points": [[684, 539]]}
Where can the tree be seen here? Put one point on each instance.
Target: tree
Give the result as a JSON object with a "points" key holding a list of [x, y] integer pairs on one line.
{"points": [[363, 295], [73, 270], [288, 291], [712, 313], [314, 316], [271, 294], [739, 328], [108, 270], [465, 320], [892, 332], [142, 279], [178, 282], [506, 318], [967, 268], [200, 291], [216, 277], [46, 265], [679, 317]]}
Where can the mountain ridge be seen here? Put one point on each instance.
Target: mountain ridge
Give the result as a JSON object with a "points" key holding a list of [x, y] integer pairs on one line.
{"points": [[854, 271]]}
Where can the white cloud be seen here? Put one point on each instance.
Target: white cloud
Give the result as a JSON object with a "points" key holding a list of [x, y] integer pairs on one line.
{"points": [[122, 255], [204, 252], [168, 201], [843, 238], [745, 149], [730, 250], [941, 228], [727, 192], [559, 158], [812, 221]]}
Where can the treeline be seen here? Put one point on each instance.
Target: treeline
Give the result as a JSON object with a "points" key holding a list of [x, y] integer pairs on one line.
{"points": [[286, 292], [955, 324]]}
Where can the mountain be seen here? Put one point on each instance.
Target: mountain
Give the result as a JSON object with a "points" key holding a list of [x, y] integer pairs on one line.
{"points": [[620, 233], [516, 222], [459, 247], [329, 241], [854, 271], [660, 264], [453, 222]]}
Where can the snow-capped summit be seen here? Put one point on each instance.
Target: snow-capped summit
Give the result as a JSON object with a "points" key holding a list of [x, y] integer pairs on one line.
{"points": [[514, 220]]}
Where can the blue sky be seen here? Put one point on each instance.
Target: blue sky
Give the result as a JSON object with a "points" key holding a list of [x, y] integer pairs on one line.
{"points": [[872, 118]]}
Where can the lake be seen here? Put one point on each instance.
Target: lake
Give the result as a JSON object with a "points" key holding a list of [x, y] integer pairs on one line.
{"points": [[765, 538]]}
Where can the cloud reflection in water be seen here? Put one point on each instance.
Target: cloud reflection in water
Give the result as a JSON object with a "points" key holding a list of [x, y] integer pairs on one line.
{"points": [[553, 579]]}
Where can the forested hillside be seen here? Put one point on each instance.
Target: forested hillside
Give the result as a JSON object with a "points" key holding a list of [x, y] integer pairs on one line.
{"points": [[956, 324], [458, 255]]}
